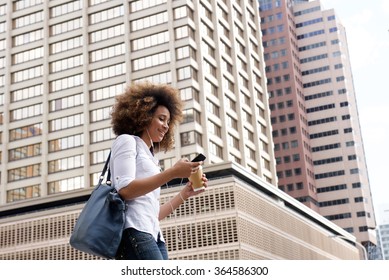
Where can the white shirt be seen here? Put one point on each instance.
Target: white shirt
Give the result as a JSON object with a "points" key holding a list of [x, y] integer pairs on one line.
{"points": [[130, 159]]}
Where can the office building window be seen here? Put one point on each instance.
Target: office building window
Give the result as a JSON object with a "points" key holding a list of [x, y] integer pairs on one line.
{"points": [[107, 33], [250, 152], [185, 12], [23, 4], [215, 149], [232, 122], [190, 93], [149, 21], [213, 128], [67, 63], [100, 114], [99, 156], [106, 15], [101, 135], [66, 26], [191, 115], [190, 138], [233, 141], [65, 143], [185, 52], [64, 164], [65, 185], [23, 193], [150, 41], [334, 202], [106, 92], [67, 82], [24, 172], [66, 102], [66, 45], [27, 55], [25, 152], [212, 108], [27, 74], [184, 32], [26, 38], [65, 8], [66, 122], [26, 93], [161, 78], [151, 61], [187, 72], [25, 132], [107, 72], [26, 112], [28, 19], [141, 5]]}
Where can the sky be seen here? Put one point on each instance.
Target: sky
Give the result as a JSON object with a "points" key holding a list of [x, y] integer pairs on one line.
{"points": [[367, 29]]}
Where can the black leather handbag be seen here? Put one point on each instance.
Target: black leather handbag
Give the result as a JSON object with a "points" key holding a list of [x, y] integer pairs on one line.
{"points": [[99, 228]]}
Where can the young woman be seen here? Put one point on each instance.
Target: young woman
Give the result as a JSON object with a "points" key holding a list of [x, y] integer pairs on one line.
{"points": [[144, 118]]}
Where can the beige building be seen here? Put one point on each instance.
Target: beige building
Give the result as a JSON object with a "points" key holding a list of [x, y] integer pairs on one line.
{"points": [[62, 63]]}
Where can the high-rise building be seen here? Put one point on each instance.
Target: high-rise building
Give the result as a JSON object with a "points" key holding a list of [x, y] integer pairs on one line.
{"points": [[383, 233], [318, 142], [61, 65]]}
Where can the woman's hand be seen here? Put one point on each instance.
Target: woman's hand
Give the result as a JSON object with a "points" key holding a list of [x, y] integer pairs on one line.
{"points": [[183, 168], [188, 191]]}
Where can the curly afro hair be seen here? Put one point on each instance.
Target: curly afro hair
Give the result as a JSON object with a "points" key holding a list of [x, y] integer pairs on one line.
{"points": [[134, 110]]}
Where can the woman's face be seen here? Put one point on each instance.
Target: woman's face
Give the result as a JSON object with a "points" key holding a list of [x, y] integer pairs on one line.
{"points": [[159, 125]]}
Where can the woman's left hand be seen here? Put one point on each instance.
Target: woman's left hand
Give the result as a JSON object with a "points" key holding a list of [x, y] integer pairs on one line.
{"points": [[188, 191]]}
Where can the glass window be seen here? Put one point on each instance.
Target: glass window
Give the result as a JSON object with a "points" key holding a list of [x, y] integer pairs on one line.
{"points": [[26, 112], [24, 152], [66, 45], [151, 61], [100, 114], [24, 172], [190, 138], [150, 41], [66, 26], [99, 156], [107, 33], [101, 135], [65, 143], [149, 21], [106, 92], [23, 193], [65, 8], [65, 185], [64, 164], [107, 72], [67, 82], [26, 93], [106, 14], [66, 122], [67, 63], [28, 19]]}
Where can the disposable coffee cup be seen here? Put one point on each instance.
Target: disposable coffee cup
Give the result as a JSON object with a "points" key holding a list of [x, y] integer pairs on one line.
{"points": [[196, 179]]}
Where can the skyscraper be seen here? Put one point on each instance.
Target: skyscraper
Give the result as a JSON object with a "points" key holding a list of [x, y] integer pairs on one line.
{"points": [[62, 65], [318, 142]]}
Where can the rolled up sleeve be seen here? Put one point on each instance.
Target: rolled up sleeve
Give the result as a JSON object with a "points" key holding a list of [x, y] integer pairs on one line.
{"points": [[123, 161]]}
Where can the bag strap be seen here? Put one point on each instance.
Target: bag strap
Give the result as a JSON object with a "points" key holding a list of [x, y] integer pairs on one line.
{"points": [[105, 168]]}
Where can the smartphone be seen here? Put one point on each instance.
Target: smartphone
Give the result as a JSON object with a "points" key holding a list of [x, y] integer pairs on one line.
{"points": [[199, 157]]}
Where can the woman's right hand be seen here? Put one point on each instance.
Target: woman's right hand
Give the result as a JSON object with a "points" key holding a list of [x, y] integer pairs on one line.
{"points": [[184, 168]]}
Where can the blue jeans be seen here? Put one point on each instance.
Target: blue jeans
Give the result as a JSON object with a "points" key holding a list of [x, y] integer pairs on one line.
{"points": [[138, 245]]}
